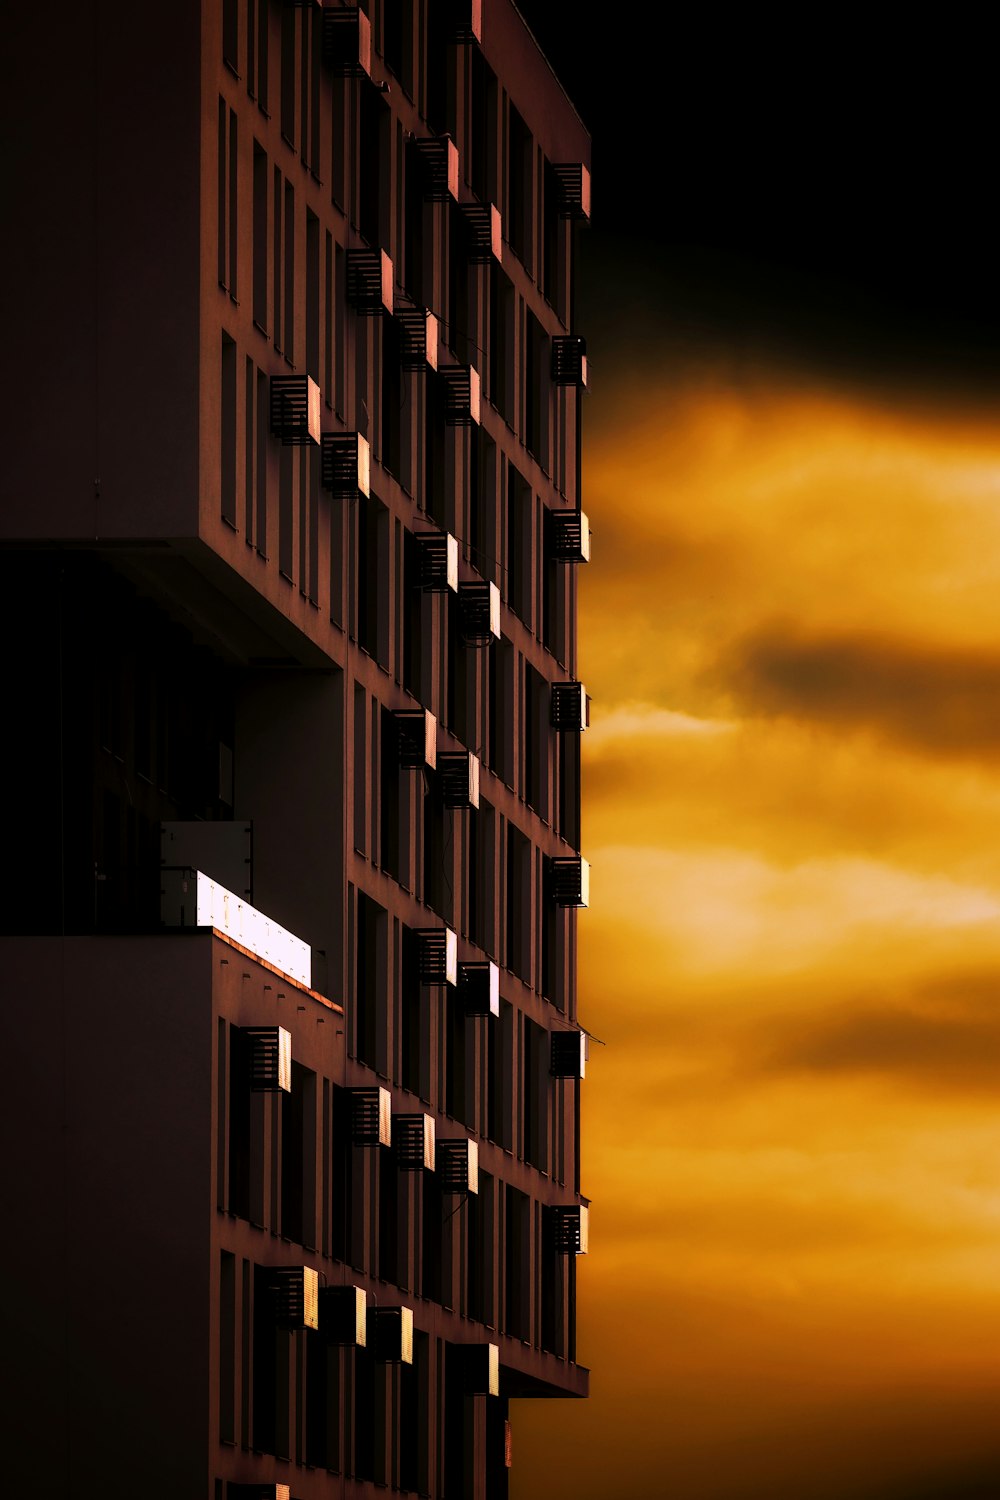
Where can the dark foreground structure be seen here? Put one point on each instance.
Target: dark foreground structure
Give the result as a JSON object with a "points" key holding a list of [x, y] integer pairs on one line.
{"points": [[290, 519]]}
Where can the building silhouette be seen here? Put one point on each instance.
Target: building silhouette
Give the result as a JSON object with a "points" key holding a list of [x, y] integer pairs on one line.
{"points": [[290, 519]]}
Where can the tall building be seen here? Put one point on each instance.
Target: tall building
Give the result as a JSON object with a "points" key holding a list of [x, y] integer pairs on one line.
{"points": [[290, 520]]}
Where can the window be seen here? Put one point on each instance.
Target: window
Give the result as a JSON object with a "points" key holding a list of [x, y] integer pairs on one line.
{"points": [[260, 237], [518, 220], [535, 1095], [289, 29], [277, 300], [519, 550], [517, 1264], [298, 1158], [227, 436], [501, 371], [518, 935], [257, 27], [370, 982], [227, 206], [231, 35], [397, 40], [536, 391], [500, 1077], [227, 1348], [484, 130]]}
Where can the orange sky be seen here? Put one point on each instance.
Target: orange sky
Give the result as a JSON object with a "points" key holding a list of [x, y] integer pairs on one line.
{"points": [[791, 633]]}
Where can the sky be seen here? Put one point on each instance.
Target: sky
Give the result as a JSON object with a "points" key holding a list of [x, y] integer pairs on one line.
{"points": [[790, 631]]}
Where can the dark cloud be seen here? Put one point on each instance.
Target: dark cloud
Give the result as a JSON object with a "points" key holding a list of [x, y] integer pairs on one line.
{"points": [[946, 1050], [975, 1482], [939, 701]]}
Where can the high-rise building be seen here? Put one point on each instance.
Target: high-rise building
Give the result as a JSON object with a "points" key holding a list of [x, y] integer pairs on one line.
{"points": [[291, 515]]}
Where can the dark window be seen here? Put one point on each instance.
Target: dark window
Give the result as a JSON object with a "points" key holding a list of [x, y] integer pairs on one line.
{"points": [[227, 434], [289, 27], [260, 236], [231, 35], [519, 220], [227, 1348]]}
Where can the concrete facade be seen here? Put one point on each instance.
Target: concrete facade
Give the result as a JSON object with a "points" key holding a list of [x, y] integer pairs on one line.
{"points": [[290, 530]]}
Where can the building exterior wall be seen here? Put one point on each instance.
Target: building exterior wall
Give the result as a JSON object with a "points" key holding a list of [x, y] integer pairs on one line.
{"points": [[210, 636]]}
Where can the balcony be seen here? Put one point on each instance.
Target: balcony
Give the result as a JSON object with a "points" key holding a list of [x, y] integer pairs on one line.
{"points": [[370, 1116], [569, 536], [458, 1166], [347, 42], [570, 1228], [390, 1335], [461, 395], [436, 955], [569, 360], [419, 350], [369, 282], [569, 880], [568, 1054], [343, 1315], [436, 561], [479, 988], [569, 708], [458, 778], [416, 738], [478, 613], [270, 1059], [345, 465], [293, 1292], [413, 1142], [438, 159], [189, 898], [483, 233], [574, 190], [295, 410]]}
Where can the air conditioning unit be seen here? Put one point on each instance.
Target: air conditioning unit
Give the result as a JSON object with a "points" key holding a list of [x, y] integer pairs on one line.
{"points": [[295, 410], [461, 395], [569, 536], [419, 349], [413, 1142], [270, 1059], [369, 281], [416, 738], [478, 613], [436, 951], [484, 233], [569, 360], [569, 709], [574, 190], [479, 988], [480, 1367], [345, 464], [347, 41], [343, 1315], [568, 1054], [370, 1115], [570, 1228], [390, 1335], [438, 158], [569, 880], [436, 561], [294, 1292], [458, 1166], [458, 778]]}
